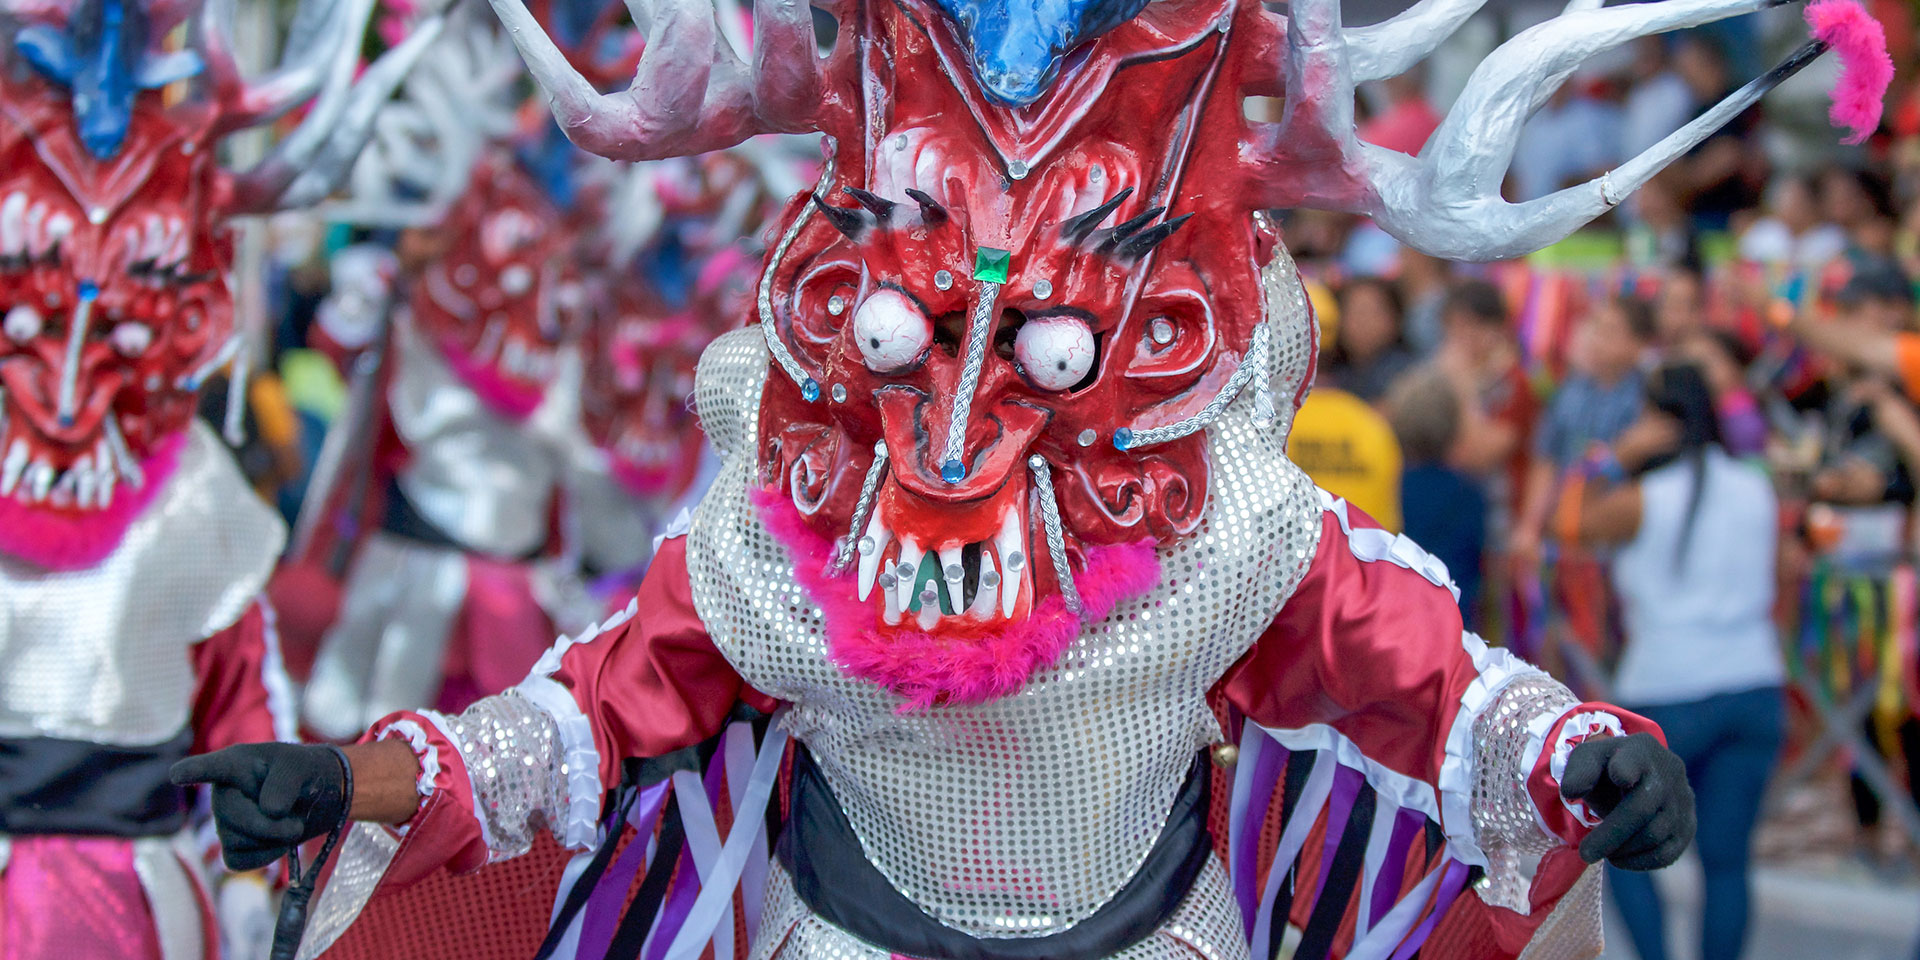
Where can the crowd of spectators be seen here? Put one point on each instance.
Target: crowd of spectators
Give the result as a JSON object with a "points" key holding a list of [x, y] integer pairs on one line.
{"points": [[1634, 450]]}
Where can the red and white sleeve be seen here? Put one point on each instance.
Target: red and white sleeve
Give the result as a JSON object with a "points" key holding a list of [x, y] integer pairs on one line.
{"points": [[241, 692], [645, 683], [1369, 658]]}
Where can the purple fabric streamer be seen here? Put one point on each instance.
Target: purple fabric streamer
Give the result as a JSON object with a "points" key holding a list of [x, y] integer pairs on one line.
{"points": [[686, 887], [1266, 774], [1346, 790], [1407, 824], [610, 895], [1450, 886]]}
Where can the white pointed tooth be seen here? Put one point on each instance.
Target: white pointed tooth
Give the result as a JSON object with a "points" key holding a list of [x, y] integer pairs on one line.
{"points": [[908, 570], [1009, 548], [123, 456], [986, 594], [38, 481], [873, 544], [105, 474], [83, 480], [888, 591], [59, 228], [13, 224], [951, 569], [155, 242], [16, 463], [929, 613]]}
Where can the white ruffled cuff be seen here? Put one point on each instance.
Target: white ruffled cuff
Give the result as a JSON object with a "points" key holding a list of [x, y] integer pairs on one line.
{"points": [[423, 750], [1578, 728]]}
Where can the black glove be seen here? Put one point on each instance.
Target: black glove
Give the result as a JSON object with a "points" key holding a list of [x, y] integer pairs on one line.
{"points": [[269, 797], [1639, 789]]}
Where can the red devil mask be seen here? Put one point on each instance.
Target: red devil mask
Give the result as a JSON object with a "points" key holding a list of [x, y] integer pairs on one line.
{"points": [[115, 309], [490, 301]]}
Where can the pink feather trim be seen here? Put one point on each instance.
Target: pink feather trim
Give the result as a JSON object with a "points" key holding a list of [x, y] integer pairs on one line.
{"points": [[1860, 41], [62, 538], [967, 667], [509, 398]]}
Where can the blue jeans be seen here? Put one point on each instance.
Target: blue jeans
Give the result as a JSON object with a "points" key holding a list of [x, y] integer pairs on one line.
{"points": [[1729, 743]]}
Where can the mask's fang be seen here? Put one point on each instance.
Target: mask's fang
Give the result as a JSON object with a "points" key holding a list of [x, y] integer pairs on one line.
{"points": [[1056, 536], [862, 509]]}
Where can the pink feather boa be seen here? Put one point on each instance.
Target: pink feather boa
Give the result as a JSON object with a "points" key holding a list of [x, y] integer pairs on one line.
{"points": [[925, 669], [57, 538], [1865, 69], [511, 399]]}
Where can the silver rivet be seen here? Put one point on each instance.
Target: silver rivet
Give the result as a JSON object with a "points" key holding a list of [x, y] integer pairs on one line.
{"points": [[1087, 437], [153, 382], [839, 393], [1016, 560], [836, 305], [954, 572], [888, 581], [989, 579], [1042, 289], [1096, 173], [187, 148], [52, 300], [900, 142], [1017, 169], [929, 595], [1161, 330], [943, 279], [866, 544], [904, 570], [97, 215], [1037, 462]]}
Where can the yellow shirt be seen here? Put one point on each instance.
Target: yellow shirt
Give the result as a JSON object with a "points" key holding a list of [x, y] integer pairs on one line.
{"points": [[1347, 447]]}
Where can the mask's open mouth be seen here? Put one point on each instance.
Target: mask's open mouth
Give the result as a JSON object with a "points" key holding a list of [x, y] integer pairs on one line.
{"points": [[973, 637], [971, 569]]}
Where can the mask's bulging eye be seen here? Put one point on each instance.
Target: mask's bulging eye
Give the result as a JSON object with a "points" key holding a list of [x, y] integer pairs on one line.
{"points": [[1054, 352], [891, 331]]}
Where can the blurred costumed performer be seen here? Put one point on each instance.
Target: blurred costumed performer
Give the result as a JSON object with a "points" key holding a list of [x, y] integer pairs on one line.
{"points": [[132, 551], [1006, 541]]}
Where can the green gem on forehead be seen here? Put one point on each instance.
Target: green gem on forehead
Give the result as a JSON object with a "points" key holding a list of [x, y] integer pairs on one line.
{"points": [[991, 264]]}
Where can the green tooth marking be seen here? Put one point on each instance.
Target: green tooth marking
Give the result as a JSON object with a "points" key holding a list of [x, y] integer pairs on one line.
{"points": [[929, 572]]}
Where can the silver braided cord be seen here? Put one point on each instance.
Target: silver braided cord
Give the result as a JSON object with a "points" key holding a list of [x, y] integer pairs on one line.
{"points": [[512, 751], [862, 509], [1504, 823], [977, 330], [768, 327], [1056, 537], [1253, 364]]}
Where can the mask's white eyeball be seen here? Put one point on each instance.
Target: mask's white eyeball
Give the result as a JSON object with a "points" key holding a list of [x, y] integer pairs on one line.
{"points": [[1054, 352], [892, 332]]}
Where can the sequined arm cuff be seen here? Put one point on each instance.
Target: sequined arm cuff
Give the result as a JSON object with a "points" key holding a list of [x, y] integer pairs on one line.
{"points": [[515, 769], [1506, 822]]}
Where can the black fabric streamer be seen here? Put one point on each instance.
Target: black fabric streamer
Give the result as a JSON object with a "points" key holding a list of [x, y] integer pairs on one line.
{"points": [[1349, 857]]}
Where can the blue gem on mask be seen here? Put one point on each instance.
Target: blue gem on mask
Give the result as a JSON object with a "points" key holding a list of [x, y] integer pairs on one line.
{"points": [[1016, 46]]}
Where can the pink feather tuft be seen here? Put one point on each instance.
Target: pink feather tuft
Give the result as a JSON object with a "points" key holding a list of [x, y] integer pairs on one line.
{"points": [[506, 397], [57, 538], [1865, 69], [973, 667]]}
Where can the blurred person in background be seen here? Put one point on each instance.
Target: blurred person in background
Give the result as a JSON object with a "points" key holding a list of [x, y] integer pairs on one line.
{"points": [[1680, 307], [1792, 236], [1598, 400], [1478, 358], [1724, 359], [1573, 138], [1873, 331], [1695, 534], [1660, 232], [1408, 118], [1340, 440], [1370, 353], [1659, 100], [1727, 173], [1445, 510], [1423, 281], [1860, 202]]}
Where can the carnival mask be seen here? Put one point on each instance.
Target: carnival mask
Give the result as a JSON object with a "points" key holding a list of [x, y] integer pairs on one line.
{"points": [[115, 310], [490, 302]]}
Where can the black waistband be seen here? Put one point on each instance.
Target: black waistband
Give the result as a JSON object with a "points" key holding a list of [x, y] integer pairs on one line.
{"points": [[76, 787], [832, 876]]}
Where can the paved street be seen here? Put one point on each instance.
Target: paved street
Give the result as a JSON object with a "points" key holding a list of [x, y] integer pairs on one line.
{"points": [[1840, 912]]}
